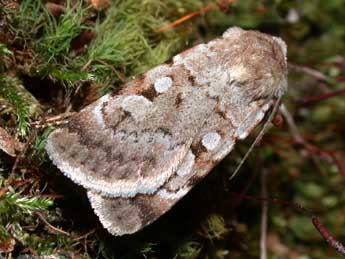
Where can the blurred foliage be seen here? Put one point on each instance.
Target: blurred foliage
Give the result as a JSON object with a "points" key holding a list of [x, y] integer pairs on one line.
{"points": [[55, 62], [16, 100]]}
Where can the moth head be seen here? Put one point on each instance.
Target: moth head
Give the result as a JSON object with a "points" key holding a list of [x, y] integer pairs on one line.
{"points": [[257, 63]]}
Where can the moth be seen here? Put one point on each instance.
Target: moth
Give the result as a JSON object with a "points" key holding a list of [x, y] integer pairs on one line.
{"points": [[141, 149]]}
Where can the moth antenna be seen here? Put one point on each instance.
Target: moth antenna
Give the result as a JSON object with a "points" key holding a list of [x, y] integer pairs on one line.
{"points": [[259, 136]]}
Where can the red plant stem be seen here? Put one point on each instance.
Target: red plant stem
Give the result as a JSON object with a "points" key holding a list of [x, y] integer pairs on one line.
{"points": [[313, 99], [308, 71], [329, 238], [323, 153], [315, 220], [341, 79], [332, 154]]}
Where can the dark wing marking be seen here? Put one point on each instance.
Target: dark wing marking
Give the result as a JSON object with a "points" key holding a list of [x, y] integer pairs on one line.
{"points": [[127, 215]]}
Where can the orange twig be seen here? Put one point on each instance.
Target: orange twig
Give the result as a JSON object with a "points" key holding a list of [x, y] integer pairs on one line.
{"points": [[186, 17], [189, 16]]}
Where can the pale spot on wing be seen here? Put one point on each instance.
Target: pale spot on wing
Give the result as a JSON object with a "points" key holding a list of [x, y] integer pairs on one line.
{"points": [[97, 111], [187, 165], [136, 105], [211, 140], [163, 84]]}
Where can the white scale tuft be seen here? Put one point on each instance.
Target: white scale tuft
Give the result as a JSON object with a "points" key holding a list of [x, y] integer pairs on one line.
{"points": [[163, 84], [97, 112], [211, 140]]}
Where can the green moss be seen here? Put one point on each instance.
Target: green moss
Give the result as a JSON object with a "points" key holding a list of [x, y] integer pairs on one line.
{"points": [[17, 211], [189, 250], [125, 44], [13, 205], [4, 51], [58, 34], [27, 22], [214, 227], [11, 98]]}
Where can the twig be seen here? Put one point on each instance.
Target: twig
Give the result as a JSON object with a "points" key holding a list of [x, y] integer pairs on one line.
{"points": [[186, 17], [53, 120], [87, 64], [85, 235], [314, 150], [19, 157], [291, 123], [189, 16], [51, 227], [297, 137], [119, 74], [315, 220], [51, 196], [308, 71], [329, 238], [264, 210], [340, 79], [322, 97]]}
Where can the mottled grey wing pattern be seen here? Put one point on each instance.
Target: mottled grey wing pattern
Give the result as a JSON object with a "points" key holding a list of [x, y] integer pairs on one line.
{"points": [[140, 150], [128, 215], [127, 144]]}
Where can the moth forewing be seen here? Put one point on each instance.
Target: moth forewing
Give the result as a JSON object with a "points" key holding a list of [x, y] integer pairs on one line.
{"points": [[139, 151], [208, 148]]}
